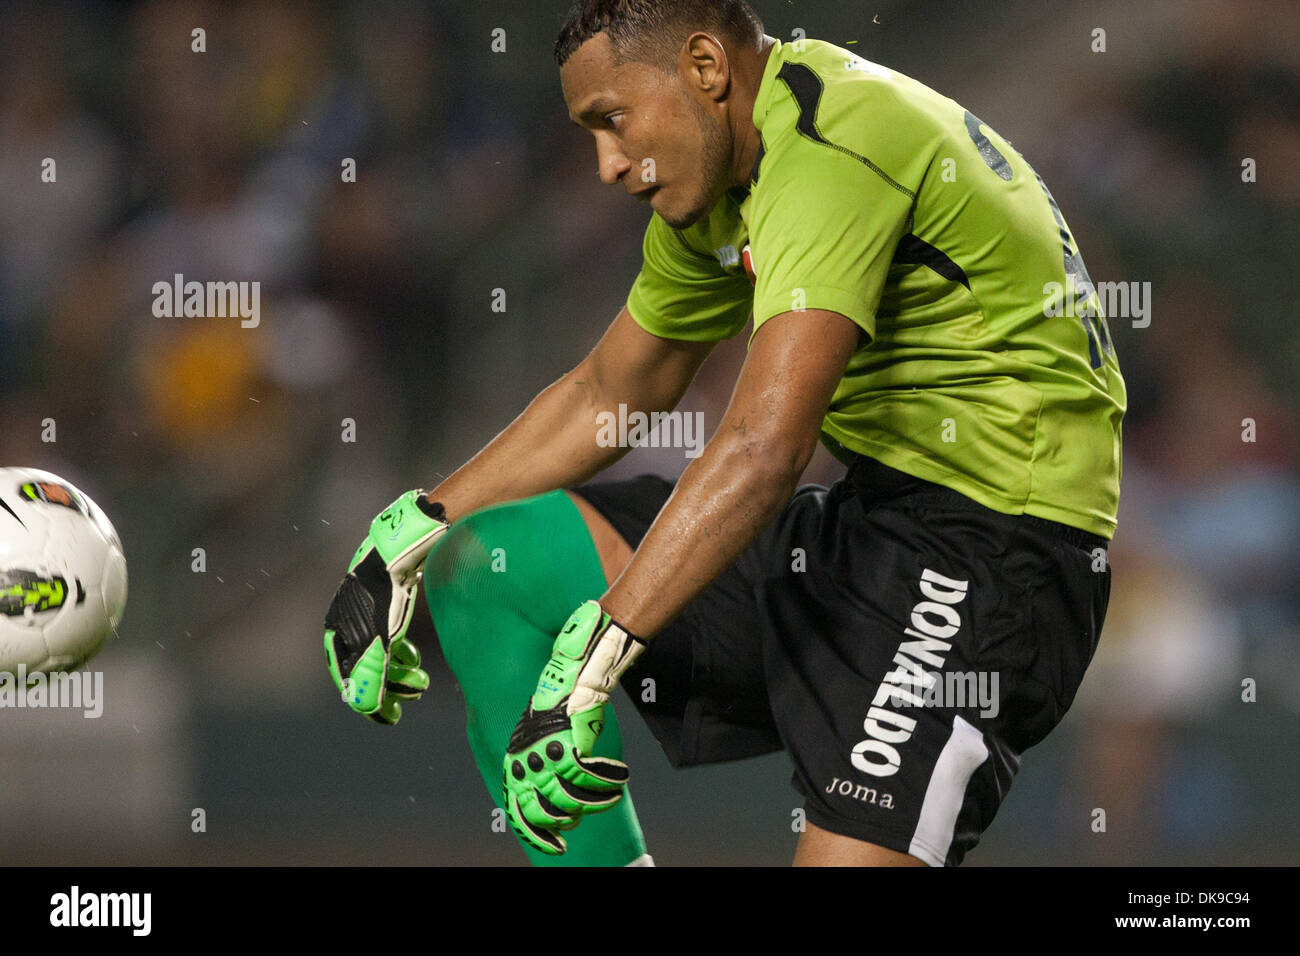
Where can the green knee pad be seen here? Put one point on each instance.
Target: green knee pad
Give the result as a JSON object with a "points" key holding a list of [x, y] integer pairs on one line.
{"points": [[500, 584]]}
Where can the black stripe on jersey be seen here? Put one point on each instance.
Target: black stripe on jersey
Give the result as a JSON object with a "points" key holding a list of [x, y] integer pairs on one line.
{"points": [[913, 250], [807, 87]]}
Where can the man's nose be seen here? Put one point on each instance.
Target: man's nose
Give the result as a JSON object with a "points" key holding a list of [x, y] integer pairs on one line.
{"points": [[611, 162]]}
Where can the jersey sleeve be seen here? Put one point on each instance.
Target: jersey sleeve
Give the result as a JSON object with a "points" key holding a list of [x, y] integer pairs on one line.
{"points": [[682, 293], [823, 232]]}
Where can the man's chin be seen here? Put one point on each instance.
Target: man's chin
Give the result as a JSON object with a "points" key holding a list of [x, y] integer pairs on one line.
{"points": [[679, 224], [679, 221]]}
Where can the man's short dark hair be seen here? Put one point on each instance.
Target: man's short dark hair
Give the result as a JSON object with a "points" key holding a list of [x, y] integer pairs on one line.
{"points": [[653, 31]]}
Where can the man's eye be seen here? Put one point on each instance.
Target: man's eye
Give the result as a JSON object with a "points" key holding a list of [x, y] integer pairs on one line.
{"points": [[610, 119]]}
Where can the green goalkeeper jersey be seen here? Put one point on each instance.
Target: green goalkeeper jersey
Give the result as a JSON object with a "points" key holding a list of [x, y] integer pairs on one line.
{"points": [[985, 364]]}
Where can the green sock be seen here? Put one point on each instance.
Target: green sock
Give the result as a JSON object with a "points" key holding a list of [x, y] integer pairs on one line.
{"points": [[501, 583]]}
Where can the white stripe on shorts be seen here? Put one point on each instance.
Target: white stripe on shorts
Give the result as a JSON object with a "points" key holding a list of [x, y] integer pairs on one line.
{"points": [[964, 751]]}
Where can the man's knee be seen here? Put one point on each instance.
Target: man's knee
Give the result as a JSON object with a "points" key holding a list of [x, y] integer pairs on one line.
{"points": [[477, 610], [466, 562], [505, 556]]}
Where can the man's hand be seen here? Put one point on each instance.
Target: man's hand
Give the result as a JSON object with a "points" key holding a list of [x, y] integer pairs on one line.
{"points": [[372, 663], [550, 777]]}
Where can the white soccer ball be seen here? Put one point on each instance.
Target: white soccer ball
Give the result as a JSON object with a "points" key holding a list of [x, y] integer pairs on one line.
{"points": [[62, 574]]}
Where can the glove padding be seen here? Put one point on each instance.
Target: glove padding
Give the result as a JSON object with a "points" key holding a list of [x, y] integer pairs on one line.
{"points": [[372, 663], [550, 779]]}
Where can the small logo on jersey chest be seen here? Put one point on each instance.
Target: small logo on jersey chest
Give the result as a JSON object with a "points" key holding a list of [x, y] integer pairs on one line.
{"points": [[728, 258], [748, 258]]}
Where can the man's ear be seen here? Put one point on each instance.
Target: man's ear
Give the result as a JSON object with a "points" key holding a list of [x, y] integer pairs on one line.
{"points": [[707, 69]]}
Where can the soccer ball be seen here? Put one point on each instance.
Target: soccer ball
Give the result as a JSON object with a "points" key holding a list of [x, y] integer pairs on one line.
{"points": [[62, 574]]}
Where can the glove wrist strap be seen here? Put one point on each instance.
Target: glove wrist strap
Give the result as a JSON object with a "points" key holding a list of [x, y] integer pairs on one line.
{"points": [[404, 532], [614, 652]]}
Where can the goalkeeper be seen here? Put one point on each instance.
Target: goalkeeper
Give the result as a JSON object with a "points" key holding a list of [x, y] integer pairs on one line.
{"points": [[919, 306]]}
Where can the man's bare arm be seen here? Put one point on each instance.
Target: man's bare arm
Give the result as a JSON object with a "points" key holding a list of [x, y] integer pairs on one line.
{"points": [[552, 444], [745, 475]]}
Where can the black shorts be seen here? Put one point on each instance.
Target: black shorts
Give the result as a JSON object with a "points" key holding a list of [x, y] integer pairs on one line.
{"points": [[904, 643]]}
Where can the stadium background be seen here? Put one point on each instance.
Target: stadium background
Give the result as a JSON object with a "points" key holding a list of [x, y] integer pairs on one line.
{"points": [[376, 306]]}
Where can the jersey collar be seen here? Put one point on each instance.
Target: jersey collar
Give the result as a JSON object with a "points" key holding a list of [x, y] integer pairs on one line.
{"points": [[767, 86], [762, 102]]}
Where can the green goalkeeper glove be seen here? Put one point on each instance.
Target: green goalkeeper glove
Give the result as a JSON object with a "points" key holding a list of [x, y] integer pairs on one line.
{"points": [[373, 665], [550, 777]]}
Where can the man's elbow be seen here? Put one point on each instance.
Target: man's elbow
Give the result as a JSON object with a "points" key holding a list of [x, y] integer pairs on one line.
{"points": [[774, 458]]}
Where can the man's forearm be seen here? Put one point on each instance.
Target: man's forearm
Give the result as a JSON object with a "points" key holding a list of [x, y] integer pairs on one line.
{"points": [[550, 445], [748, 470], [722, 501]]}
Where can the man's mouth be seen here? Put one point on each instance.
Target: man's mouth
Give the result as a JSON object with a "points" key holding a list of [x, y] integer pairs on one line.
{"points": [[644, 195]]}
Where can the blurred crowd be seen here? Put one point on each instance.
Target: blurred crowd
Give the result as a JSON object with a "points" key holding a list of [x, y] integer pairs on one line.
{"points": [[377, 308]]}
